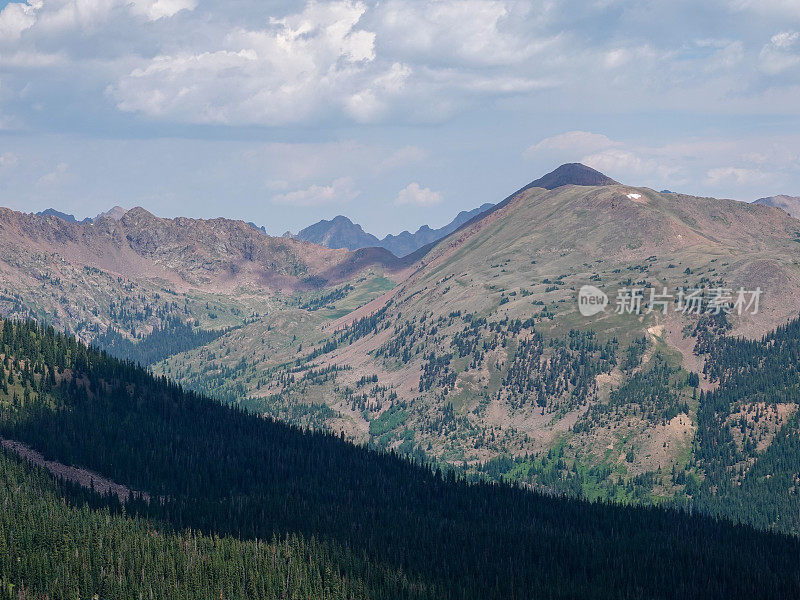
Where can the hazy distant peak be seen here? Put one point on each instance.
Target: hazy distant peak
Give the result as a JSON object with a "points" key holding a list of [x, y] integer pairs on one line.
{"points": [[57, 213], [341, 232], [115, 213], [791, 204], [262, 229]]}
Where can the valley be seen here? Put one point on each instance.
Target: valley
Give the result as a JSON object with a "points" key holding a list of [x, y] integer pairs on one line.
{"points": [[251, 507]]}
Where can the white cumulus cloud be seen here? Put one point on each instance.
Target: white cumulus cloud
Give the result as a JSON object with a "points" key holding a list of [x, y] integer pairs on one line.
{"points": [[158, 9], [416, 195], [16, 17], [301, 66], [477, 32]]}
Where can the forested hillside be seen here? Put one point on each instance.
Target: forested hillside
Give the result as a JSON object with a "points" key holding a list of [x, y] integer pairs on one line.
{"points": [[748, 440], [85, 548], [368, 524]]}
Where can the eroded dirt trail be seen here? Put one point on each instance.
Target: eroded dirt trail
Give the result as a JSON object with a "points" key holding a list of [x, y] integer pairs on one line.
{"points": [[82, 477]]}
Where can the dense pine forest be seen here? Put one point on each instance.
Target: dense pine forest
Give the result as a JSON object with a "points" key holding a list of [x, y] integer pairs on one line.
{"points": [[86, 549], [248, 507], [748, 439], [171, 337]]}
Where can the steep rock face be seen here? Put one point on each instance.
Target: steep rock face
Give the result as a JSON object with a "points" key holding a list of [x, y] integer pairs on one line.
{"points": [[791, 204]]}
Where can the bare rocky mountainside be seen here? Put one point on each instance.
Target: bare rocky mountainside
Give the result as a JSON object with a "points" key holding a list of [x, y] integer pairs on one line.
{"points": [[133, 272], [473, 350]]}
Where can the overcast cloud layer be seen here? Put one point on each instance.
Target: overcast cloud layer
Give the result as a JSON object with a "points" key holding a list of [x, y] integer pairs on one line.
{"points": [[396, 113]]}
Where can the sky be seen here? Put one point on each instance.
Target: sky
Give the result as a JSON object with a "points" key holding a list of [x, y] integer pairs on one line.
{"points": [[396, 113]]}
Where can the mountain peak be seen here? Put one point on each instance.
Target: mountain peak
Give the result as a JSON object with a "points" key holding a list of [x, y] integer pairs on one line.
{"points": [[571, 174], [57, 213], [136, 214], [115, 213], [339, 232], [791, 204]]}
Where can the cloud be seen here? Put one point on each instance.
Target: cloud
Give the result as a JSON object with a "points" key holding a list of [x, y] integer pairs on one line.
{"points": [[80, 16], [159, 9], [305, 65], [349, 62], [633, 163], [287, 166], [731, 166], [370, 103], [415, 195], [30, 60], [781, 53], [618, 58], [602, 153], [339, 190], [468, 32], [16, 17], [735, 175]]}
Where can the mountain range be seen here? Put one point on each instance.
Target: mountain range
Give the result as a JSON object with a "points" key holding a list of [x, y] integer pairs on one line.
{"points": [[115, 213], [341, 232], [469, 352]]}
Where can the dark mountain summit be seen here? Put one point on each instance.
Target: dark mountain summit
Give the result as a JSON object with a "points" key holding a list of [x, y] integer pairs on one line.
{"points": [[566, 174], [571, 174]]}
